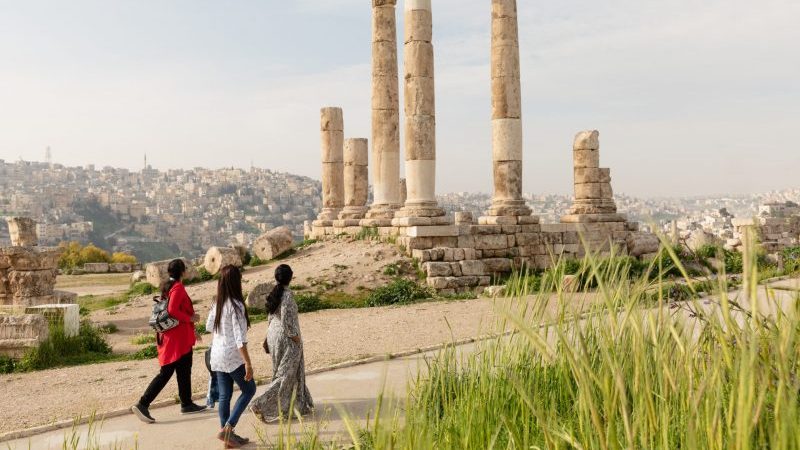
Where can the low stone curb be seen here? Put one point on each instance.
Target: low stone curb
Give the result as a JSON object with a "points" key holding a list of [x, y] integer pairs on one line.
{"points": [[28, 432]]}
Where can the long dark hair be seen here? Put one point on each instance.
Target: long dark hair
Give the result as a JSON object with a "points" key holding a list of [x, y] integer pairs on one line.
{"points": [[175, 269], [229, 287], [283, 276]]}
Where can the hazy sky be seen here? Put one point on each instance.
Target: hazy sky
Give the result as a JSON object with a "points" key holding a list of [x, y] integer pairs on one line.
{"points": [[690, 97]]}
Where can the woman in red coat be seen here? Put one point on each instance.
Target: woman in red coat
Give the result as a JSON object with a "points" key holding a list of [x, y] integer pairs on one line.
{"points": [[174, 347]]}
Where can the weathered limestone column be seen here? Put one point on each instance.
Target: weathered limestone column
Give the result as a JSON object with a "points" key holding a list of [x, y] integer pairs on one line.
{"points": [[385, 115], [594, 198], [22, 231], [332, 130], [356, 179], [506, 113], [420, 113]]}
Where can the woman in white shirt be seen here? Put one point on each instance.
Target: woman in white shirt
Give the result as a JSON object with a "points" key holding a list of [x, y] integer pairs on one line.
{"points": [[229, 357]]}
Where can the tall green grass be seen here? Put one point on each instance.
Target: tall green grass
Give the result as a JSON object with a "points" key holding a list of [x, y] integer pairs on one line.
{"points": [[639, 372]]}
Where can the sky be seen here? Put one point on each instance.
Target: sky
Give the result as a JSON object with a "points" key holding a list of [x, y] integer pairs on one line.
{"points": [[690, 97]]}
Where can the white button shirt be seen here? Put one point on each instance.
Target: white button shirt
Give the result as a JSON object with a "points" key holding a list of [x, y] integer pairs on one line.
{"points": [[231, 336]]}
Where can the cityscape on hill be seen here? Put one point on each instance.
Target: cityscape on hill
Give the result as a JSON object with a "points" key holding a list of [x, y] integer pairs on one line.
{"points": [[156, 214]]}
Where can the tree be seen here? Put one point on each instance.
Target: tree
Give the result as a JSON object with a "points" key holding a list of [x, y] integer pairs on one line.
{"points": [[120, 257]]}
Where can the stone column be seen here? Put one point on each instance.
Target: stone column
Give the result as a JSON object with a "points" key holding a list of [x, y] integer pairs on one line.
{"points": [[420, 113], [332, 130], [22, 231], [506, 113], [356, 179], [385, 115], [594, 198]]}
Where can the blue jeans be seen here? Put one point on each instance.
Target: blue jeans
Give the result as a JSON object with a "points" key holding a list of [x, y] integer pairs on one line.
{"points": [[225, 383], [213, 389]]}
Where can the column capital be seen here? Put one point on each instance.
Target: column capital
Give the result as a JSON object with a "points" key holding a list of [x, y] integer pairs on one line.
{"points": [[377, 3]]}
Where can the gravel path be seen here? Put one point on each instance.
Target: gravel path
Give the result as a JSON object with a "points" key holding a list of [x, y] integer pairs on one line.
{"points": [[331, 337]]}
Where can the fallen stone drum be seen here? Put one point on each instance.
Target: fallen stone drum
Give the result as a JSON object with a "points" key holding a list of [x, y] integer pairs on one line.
{"points": [[273, 243], [219, 257]]}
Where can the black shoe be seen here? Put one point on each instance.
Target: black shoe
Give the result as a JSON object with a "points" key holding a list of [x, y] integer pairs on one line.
{"points": [[241, 439], [193, 409], [143, 413]]}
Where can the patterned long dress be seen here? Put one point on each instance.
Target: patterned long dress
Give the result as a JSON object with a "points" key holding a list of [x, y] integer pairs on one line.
{"points": [[288, 367]]}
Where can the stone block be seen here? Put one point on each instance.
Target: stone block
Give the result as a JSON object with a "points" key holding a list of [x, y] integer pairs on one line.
{"points": [[449, 242], [218, 257], [511, 229], [484, 280], [31, 283], [64, 316], [437, 254], [418, 25], [639, 243], [419, 243], [22, 332], [505, 61], [157, 271], [470, 253], [418, 57], [506, 98], [587, 140], [491, 242], [273, 243], [466, 241], [497, 265], [586, 159], [384, 24], [588, 191], [449, 254], [507, 140], [331, 118], [512, 240], [542, 262], [420, 101], [472, 268], [96, 268], [437, 269], [458, 254], [22, 231], [487, 229], [571, 237], [421, 255], [433, 231], [497, 220], [588, 175], [29, 258], [332, 146], [525, 239], [504, 8], [606, 191]]}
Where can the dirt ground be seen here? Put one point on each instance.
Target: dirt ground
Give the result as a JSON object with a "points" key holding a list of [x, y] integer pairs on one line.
{"points": [[343, 266], [94, 284]]}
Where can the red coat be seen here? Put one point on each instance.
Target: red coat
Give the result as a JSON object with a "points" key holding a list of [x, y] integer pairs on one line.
{"points": [[179, 340]]}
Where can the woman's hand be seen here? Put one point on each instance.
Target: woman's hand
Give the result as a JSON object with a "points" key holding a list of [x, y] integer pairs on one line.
{"points": [[296, 339], [248, 372], [196, 318]]}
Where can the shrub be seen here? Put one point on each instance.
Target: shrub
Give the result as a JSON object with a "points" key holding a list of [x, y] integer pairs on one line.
{"points": [[149, 352], [255, 261], [307, 302], [734, 262], [7, 365], [791, 259], [707, 251], [399, 291], [142, 339], [59, 350], [125, 258], [366, 233], [200, 328], [142, 288], [109, 328]]}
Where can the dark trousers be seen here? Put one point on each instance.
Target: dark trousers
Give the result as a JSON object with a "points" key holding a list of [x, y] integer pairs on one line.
{"points": [[183, 370]]}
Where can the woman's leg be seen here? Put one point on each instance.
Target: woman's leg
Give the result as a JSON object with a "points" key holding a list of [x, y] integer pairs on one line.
{"points": [[213, 391], [225, 388], [157, 385], [183, 370], [248, 389]]}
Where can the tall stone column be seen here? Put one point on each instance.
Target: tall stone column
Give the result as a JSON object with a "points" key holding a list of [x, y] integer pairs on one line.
{"points": [[506, 113], [385, 115], [356, 179], [420, 113], [332, 131]]}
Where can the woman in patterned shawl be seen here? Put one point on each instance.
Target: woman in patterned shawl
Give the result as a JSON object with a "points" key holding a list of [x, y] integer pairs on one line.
{"points": [[288, 390]]}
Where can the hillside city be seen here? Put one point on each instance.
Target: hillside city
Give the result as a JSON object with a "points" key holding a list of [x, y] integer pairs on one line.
{"points": [[156, 214]]}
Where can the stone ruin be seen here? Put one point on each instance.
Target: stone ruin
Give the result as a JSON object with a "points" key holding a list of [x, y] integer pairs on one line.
{"points": [[459, 254], [29, 303]]}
